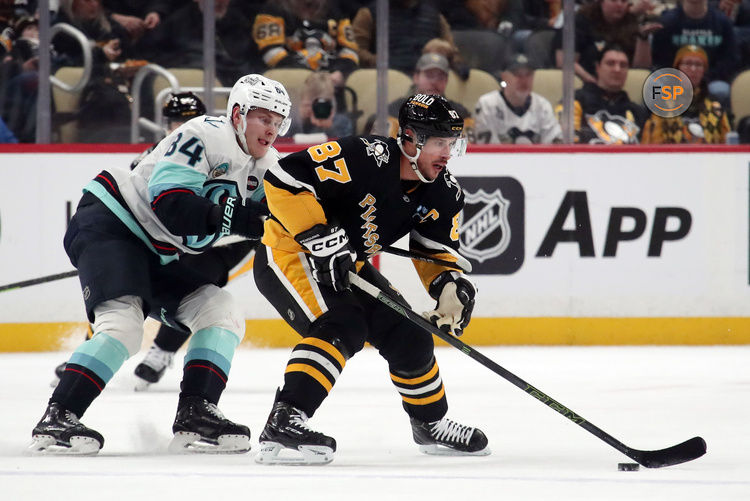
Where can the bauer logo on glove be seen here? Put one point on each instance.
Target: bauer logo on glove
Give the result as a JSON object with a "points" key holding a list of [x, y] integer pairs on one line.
{"points": [[455, 302]]}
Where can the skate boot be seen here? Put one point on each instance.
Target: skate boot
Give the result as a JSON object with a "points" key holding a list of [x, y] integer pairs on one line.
{"points": [[446, 437], [201, 427], [58, 374], [287, 429], [152, 368], [60, 432]]}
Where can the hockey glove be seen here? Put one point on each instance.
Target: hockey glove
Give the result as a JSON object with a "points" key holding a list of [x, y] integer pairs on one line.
{"points": [[239, 219], [455, 302], [331, 256]]}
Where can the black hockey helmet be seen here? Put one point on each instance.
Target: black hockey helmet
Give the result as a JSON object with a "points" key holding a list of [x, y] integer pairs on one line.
{"points": [[183, 106], [429, 115]]}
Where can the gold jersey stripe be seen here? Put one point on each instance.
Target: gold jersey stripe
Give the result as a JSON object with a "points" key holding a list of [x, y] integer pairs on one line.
{"points": [[312, 372], [417, 380], [298, 212], [327, 347], [294, 270], [425, 400]]}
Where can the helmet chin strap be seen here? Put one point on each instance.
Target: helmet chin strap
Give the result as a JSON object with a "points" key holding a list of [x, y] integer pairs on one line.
{"points": [[240, 133], [413, 160]]}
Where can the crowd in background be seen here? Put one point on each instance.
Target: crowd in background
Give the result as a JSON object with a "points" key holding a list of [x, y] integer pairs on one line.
{"points": [[431, 41]]}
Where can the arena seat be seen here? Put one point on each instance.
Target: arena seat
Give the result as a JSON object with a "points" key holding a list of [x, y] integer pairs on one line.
{"points": [[364, 83], [740, 96], [467, 92], [293, 80], [65, 104], [548, 84], [634, 84]]}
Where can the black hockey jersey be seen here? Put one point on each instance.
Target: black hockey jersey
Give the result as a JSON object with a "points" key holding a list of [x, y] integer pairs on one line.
{"points": [[355, 182]]}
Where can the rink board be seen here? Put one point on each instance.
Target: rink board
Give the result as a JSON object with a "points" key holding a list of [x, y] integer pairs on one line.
{"points": [[571, 245]]}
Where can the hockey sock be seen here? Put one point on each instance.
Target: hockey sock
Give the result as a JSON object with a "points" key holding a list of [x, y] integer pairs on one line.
{"points": [[207, 363], [169, 339], [78, 387], [313, 368], [422, 392]]}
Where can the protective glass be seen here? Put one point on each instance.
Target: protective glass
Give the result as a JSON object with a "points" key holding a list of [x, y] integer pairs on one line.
{"points": [[454, 146]]}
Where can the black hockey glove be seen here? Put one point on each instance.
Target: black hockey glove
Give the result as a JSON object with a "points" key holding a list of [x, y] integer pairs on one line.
{"points": [[238, 219], [455, 302], [331, 256]]}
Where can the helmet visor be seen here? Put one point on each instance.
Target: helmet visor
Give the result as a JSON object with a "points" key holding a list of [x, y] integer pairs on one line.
{"points": [[451, 146]]}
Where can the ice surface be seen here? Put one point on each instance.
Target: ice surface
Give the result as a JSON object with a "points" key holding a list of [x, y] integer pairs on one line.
{"points": [[647, 397]]}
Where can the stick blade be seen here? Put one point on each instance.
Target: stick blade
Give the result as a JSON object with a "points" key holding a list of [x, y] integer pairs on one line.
{"points": [[677, 454]]}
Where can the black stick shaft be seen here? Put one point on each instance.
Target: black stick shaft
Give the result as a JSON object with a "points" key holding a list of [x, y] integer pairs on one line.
{"points": [[37, 281], [686, 451]]}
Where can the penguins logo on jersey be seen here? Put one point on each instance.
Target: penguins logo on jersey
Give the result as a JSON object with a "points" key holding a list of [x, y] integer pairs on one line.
{"points": [[485, 230], [613, 129], [452, 183], [378, 150]]}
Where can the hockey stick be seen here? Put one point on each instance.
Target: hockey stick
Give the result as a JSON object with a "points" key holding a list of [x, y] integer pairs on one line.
{"points": [[461, 265], [680, 453], [40, 280]]}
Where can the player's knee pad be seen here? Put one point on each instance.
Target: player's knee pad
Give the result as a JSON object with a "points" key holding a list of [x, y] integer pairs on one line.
{"points": [[211, 307], [344, 327], [121, 319]]}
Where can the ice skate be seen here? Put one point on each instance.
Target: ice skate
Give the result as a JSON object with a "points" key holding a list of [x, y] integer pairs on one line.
{"points": [[201, 427], [60, 432], [446, 437], [287, 430], [152, 368], [59, 370]]}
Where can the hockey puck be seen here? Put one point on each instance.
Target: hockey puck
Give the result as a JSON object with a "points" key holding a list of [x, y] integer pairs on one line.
{"points": [[628, 466]]}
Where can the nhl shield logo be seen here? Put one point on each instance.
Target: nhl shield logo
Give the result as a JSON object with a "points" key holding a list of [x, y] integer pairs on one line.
{"points": [[485, 229]]}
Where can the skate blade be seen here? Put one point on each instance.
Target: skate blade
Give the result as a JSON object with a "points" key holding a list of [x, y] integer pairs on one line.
{"points": [[439, 450], [141, 384], [79, 446], [275, 453], [192, 443]]}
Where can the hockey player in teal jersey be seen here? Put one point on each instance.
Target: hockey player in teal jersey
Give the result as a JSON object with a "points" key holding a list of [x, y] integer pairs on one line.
{"points": [[126, 239]]}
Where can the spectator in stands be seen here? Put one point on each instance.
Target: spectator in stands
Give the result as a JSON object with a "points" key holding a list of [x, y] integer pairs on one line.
{"points": [[430, 76], [607, 22], [178, 41], [694, 22], [312, 34], [537, 31], [138, 16], [502, 16], [6, 135], [603, 112], [514, 114], [21, 79], [705, 121], [738, 12], [104, 114], [317, 111], [411, 24]]}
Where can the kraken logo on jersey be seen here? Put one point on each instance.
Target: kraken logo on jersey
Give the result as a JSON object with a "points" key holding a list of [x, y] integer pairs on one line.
{"points": [[219, 170], [378, 150], [485, 230]]}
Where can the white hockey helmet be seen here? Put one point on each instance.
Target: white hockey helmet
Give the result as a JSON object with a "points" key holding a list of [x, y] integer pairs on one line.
{"points": [[256, 91]]}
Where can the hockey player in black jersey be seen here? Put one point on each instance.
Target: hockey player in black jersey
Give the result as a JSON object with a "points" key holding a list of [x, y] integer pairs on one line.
{"points": [[332, 207]]}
